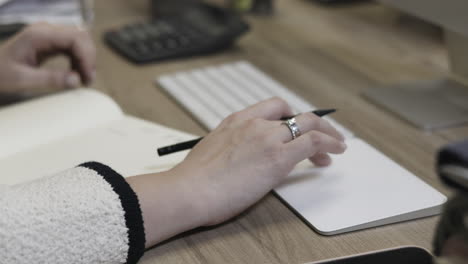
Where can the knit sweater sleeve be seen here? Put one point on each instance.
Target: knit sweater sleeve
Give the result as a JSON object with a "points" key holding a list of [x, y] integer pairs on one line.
{"points": [[87, 214]]}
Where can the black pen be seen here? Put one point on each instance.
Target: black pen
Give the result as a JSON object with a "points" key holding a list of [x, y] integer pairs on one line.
{"points": [[191, 143]]}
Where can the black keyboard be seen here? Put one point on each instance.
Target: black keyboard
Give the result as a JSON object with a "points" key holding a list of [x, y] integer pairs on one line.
{"points": [[195, 31]]}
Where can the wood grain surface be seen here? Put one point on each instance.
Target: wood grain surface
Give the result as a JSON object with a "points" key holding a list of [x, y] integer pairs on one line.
{"points": [[328, 55]]}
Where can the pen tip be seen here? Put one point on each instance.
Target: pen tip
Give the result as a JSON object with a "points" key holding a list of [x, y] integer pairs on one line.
{"points": [[324, 112]]}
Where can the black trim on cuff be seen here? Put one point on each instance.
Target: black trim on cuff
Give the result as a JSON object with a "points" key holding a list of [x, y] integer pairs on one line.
{"points": [[131, 206]]}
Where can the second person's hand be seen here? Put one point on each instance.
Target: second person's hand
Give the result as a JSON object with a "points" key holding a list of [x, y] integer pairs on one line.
{"points": [[22, 55]]}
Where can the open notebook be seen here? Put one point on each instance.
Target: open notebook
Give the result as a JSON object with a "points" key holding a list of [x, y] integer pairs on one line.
{"points": [[53, 133]]}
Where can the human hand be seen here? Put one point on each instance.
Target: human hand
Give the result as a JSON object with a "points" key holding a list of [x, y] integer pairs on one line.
{"points": [[233, 167], [22, 55], [249, 154]]}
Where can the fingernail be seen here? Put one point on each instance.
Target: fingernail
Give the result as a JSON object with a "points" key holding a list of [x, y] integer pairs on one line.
{"points": [[343, 145], [72, 81], [324, 159]]}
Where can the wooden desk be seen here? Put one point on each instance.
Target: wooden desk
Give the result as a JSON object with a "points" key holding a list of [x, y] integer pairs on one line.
{"points": [[327, 55]]}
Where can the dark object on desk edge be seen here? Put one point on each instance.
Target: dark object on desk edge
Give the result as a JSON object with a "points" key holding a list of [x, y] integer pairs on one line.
{"points": [[339, 2], [452, 167], [7, 30], [195, 31], [191, 143], [400, 255], [452, 164]]}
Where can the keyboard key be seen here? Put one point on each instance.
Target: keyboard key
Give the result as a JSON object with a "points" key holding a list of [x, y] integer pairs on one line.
{"points": [[193, 90], [174, 88], [273, 87], [235, 102], [141, 48], [152, 31], [215, 93], [125, 35], [230, 87], [165, 27], [171, 43], [140, 33], [248, 87], [156, 45], [184, 41]]}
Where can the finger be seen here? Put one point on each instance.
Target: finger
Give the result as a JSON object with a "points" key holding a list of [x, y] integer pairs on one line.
{"points": [[270, 109], [321, 159], [83, 58], [307, 122], [82, 55], [33, 78], [75, 43], [312, 143]]}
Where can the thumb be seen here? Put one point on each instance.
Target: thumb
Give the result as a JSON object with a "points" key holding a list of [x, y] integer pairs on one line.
{"points": [[34, 79]]}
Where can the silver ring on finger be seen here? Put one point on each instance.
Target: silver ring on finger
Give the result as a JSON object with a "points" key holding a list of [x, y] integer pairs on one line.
{"points": [[293, 127]]}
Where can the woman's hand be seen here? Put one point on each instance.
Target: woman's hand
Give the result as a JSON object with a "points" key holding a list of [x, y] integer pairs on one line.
{"points": [[22, 55], [250, 153], [244, 158]]}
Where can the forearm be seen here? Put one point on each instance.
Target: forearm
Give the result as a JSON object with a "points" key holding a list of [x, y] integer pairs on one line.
{"points": [[95, 210], [170, 205], [87, 214]]}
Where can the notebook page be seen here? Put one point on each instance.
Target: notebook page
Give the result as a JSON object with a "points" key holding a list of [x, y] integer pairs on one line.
{"points": [[27, 125], [127, 145]]}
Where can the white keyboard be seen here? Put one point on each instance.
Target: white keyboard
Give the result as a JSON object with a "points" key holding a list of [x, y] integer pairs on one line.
{"points": [[212, 93]]}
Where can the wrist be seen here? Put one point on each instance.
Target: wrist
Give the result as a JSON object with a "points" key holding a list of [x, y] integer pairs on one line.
{"points": [[191, 204], [168, 203], [205, 204]]}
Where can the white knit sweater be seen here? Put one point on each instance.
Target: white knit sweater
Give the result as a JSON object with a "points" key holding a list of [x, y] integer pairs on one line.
{"points": [[88, 214]]}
